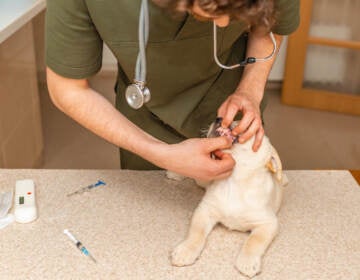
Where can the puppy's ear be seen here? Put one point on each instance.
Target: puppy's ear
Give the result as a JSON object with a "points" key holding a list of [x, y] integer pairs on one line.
{"points": [[274, 164]]}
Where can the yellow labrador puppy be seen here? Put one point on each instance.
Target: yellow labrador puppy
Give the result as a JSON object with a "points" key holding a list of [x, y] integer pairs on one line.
{"points": [[247, 201]]}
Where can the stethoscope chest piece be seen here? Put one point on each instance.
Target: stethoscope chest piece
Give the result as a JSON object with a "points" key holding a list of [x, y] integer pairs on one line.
{"points": [[137, 95]]}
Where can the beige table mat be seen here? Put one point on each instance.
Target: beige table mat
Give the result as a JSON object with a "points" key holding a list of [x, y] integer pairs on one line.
{"points": [[131, 225]]}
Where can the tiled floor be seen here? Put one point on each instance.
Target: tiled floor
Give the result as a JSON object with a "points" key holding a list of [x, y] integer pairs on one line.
{"points": [[305, 139]]}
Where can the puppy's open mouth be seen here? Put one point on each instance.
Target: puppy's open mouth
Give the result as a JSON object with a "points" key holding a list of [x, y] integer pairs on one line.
{"points": [[217, 130]]}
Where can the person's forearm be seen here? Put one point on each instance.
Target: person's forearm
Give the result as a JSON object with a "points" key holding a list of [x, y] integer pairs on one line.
{"points": [[94, 112], [255, 75]]}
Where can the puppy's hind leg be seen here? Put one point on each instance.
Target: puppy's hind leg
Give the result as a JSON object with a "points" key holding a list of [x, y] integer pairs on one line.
{"points": [[187, 252], [249, 260]]}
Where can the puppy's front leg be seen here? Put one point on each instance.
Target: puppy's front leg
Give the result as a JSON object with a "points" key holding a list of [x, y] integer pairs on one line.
{"points": [[189, 250], [249, 259]]}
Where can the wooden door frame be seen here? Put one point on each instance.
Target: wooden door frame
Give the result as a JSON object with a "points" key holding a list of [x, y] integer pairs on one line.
{"points": [[293, 92]]}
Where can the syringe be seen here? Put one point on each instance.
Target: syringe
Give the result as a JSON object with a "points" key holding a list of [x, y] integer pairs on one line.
{"points": [[79, 245], [88, 188]]}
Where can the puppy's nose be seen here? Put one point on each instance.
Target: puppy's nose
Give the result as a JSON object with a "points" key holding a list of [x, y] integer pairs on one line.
{"points": [[218, 120]]}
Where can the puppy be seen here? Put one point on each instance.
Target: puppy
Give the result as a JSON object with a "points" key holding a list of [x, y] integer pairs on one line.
{"points": [[246, 201]]}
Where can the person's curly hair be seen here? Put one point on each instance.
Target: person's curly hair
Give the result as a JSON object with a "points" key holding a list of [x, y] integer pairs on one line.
{"points": [[256, 13]]}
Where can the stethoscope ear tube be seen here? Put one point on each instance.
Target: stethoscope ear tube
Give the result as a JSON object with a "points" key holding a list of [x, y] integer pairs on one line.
{"points": [[246, 61], [143, 34]]}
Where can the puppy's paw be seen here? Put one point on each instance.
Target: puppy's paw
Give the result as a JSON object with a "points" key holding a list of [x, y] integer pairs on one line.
{"points": [[248, 265], [174, 176], [184, 255]]}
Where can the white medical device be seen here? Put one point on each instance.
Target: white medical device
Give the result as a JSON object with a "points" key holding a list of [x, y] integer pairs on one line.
{"points": [[137, 94], [25, 204]]}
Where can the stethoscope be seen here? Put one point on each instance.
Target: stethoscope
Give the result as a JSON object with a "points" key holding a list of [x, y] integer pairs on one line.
{"points": [[137, 94]]}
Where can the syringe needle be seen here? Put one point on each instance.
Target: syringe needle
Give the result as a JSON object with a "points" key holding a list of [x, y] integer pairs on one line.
{"points": [[79, 245], [93, 259], [78, 191], [88, 188], [70, 194]]}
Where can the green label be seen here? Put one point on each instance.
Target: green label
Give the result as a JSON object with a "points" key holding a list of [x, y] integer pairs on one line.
{"points": [[21, 200]]}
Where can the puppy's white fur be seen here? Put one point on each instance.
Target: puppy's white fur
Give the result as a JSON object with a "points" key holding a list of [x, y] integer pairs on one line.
{"points": [[247, 201]]}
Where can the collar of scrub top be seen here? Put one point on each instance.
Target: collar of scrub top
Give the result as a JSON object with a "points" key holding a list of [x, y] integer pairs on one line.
{"points": [[246, 61]]}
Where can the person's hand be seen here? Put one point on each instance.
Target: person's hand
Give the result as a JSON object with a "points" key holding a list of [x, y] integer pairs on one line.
{"points": [[192, 158], [250, 124]]}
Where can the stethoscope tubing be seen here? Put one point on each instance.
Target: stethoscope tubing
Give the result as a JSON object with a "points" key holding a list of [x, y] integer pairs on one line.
{"points": [[143, 30], [244, 62]]}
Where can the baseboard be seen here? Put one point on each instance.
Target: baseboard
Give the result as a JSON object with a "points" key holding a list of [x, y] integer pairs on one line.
{"points": [[274, 85]]}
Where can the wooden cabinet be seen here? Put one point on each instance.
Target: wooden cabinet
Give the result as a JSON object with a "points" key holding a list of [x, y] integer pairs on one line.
{"points": [[323, 57]]}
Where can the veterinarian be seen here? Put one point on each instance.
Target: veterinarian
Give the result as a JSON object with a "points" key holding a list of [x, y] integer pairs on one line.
{"points": [[188, 89]]}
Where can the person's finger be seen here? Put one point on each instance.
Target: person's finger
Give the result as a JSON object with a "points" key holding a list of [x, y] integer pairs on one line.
{"points": [[217, 143], [223, 175], [225, 156], [218, 153], [244, 123], [230, 113], [258, 139], [251, 131], [225, 164]]}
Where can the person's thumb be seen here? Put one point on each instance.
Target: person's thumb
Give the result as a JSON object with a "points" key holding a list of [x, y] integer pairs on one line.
{"points": [[218, 143]]}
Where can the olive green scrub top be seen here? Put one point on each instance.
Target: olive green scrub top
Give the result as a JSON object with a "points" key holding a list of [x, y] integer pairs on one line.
{"points": [[187, 86]]}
